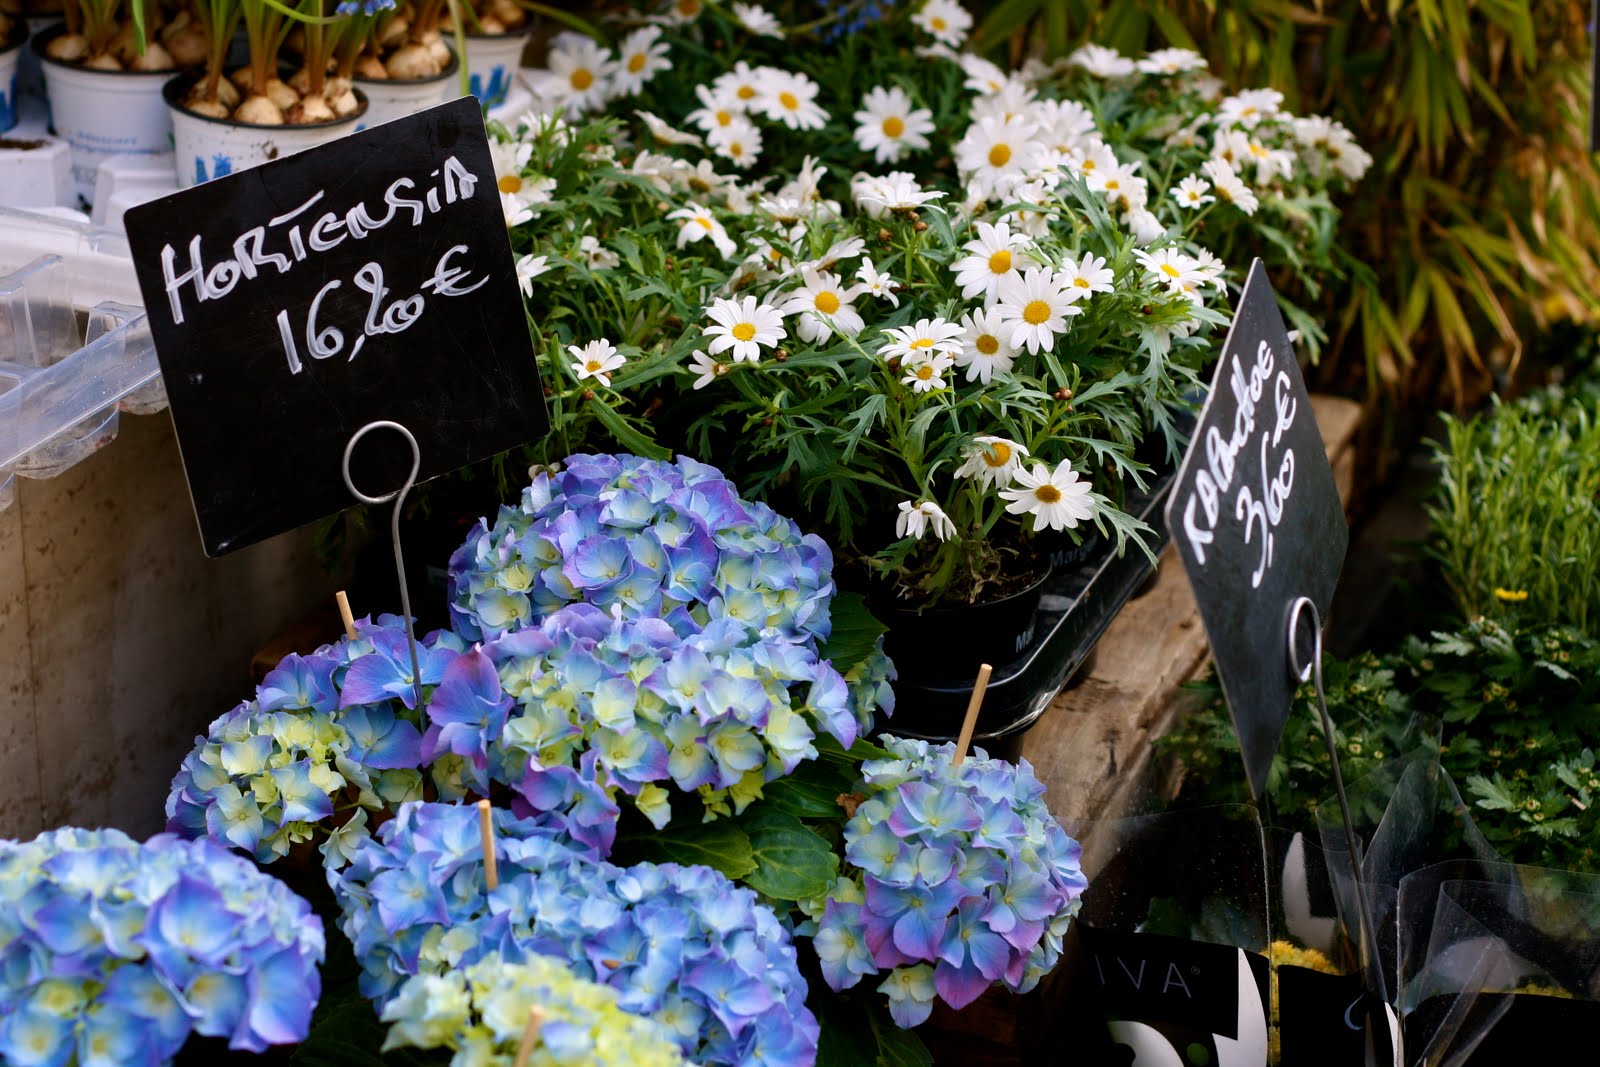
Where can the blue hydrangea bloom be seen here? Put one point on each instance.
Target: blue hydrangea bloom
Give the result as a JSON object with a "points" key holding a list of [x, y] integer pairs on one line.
{"points": [[962, 878], [114, 952], [680, 945]]}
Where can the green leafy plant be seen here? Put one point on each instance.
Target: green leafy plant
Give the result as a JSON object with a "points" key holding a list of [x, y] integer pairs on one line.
{"points": [[1516, 519]]}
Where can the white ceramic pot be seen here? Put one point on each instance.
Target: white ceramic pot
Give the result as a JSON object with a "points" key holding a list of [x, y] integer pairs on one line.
{"points": [[10, 58], [104, 113], [206, 148], [492, 60], [395, 98]]}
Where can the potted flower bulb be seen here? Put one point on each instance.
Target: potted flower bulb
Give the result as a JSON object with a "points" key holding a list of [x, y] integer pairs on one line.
{"points": [[104, 73], [495, 32], [225, 121], [397, 55]]}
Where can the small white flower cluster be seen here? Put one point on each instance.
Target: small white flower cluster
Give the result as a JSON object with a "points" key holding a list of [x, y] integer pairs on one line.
{"points": [[581, 76]]}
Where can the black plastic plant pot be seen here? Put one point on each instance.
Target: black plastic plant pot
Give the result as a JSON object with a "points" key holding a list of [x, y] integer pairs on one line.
{"points": [[1075, 605], [950, 642]]}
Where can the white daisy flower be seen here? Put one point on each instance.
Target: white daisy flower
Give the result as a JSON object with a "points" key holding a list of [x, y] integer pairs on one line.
{"points": [[741, 85], [708, 369], [1088, 275], [657, 169], [888, 126], [836, 253], [664, 133], [822, 302], [927, 337], [1034, 307], [996, 154], [1193, 192], [1171, 268], [698, 223], [995, 254], [1229, 186], [596, 360], [716, 110], [1146, 228], [1207, 263], [596, 255], [916, 519], [682, 12], [875, 283], [641, 56], [1057, 500], [1102, 62], [744, 326], [757, 20], [1066, 124], [993, 461], [1171, 61], [897, 191], [1034, 221], [946, 21], [579, 77], [1331, 144], [1123, 189], [1090, 158], [1269, 162], [739, 142], [1249, 107], [982, 75], [702, 179], [926, 373], [528, 268], [1014, 99], [986, 348], [790, 98]]}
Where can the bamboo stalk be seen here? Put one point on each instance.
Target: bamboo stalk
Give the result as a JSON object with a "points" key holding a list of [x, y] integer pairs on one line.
{"points": [[970, 723], [491, 867]]}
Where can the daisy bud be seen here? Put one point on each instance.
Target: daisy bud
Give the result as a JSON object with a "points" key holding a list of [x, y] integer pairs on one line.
{"points": [[781, 354], [588, 394], [920, 226], [885, 236]]}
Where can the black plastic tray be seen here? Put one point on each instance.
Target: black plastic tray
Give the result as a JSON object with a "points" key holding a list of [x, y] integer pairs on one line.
{"points": [[1079, 601]]}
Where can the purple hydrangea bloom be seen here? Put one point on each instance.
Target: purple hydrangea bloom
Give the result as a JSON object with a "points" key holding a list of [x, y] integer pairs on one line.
{"points": [[132, 947], [680, 945], [962, 878]]}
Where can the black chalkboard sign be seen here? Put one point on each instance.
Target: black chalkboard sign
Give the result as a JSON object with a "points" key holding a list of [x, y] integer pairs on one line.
{"points": [[293, 303], [1257, 520]]}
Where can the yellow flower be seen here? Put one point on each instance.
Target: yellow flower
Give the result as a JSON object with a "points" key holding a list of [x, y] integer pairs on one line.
{"points": [[1511, 596]]}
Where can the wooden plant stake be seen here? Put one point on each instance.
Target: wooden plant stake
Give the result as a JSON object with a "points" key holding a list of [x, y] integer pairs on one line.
{"points": [[346, 614], [491, 867], [530, 1036], [970, 723]]}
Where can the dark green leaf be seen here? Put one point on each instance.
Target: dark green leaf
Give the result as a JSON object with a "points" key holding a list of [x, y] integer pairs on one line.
{"points": [[855, 632], [719, 844], [791, 862]]}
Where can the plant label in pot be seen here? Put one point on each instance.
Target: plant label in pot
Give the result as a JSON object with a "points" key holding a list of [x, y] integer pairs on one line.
{"points": [[1257, 520], [369, 279]]}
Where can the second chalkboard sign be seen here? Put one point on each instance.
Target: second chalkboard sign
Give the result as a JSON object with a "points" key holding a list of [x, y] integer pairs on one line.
{"points": [[1257, 520], [294, 303]]}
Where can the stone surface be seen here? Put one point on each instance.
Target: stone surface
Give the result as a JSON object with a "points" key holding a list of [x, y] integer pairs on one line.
{"points": [[120, 640]]}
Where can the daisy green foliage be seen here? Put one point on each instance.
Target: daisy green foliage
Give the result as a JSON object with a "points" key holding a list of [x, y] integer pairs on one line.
{"points": [[680, 945], [329, 737], [482, 1011], [847, 267], [115, 952], [957, 878]]}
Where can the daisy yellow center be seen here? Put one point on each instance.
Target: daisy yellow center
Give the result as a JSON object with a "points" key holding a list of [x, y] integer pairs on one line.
{"points": [[724, 118], [921, 342], [1035, 312], [925, 372], [1247, 112], [998, 454], [511, 183], [582, 78], [743, 331], [704, 222], [1226, 193], [1047, 494], [999, 155], [789, 101], [592, 366], [736, 149], [746, 92], [1000, 262], [988, 344], [1258, 150], [1170, 271], [636, 63], [827, 302], [1088, 165], [939, 25], [893, 126], [1081, 283]]}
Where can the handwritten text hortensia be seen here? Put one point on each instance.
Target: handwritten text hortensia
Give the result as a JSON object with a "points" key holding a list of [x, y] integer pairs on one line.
{"points": [[1265, 410], [298, 235]]}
